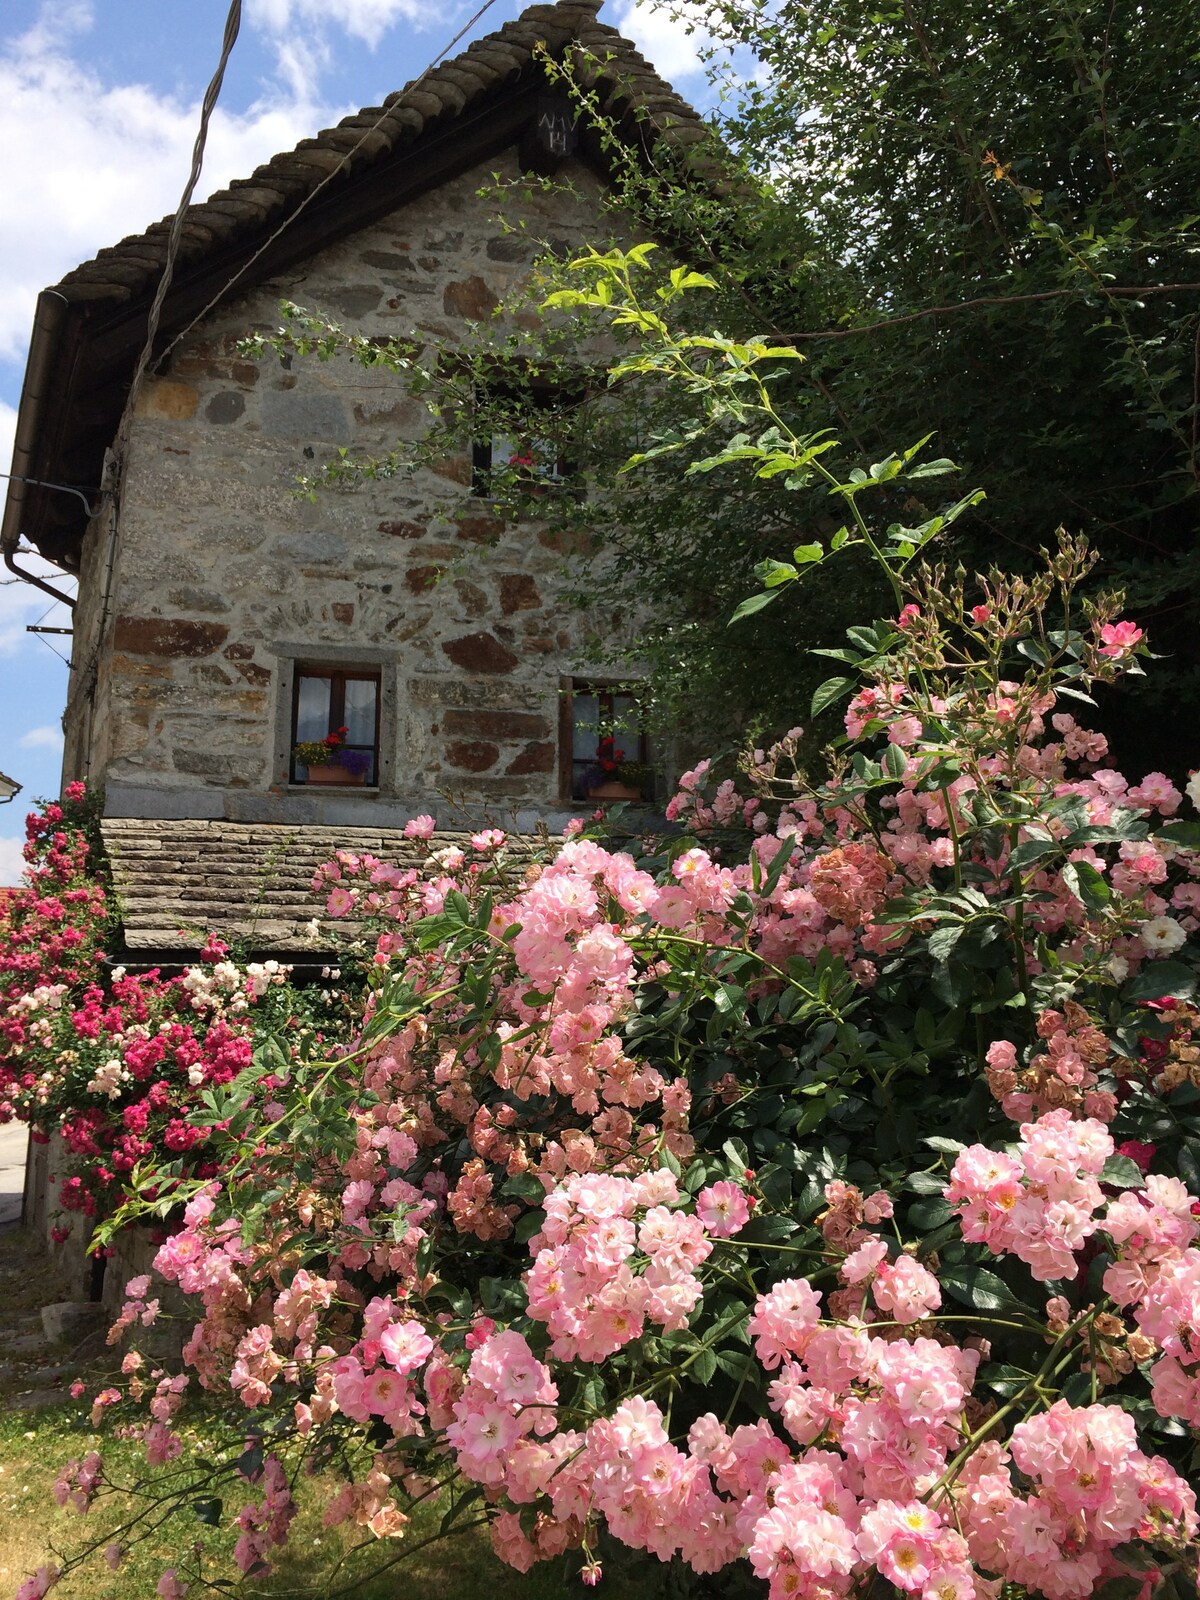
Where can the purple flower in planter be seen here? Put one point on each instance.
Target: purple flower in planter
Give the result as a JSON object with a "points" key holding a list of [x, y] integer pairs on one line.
{"points": [[356, 762]]}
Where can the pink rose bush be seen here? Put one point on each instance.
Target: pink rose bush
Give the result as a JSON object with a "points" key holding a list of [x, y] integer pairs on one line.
{"points": [[806, 1201]]}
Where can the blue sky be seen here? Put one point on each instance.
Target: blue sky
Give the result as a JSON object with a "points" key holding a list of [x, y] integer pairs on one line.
{"points": [[99, 101]]}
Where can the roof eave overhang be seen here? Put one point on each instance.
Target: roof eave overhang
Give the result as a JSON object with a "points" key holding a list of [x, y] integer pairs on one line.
{"points": [[39, 394]]}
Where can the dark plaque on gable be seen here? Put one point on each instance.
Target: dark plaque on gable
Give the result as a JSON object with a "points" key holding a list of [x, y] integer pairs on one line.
{"points": [[550, 138]]}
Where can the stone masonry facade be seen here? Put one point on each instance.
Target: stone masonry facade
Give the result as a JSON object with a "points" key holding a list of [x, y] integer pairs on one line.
{"points": [[219, 581]]}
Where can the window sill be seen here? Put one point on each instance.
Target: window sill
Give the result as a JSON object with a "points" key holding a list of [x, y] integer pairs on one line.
{"points": [[333, 788]]}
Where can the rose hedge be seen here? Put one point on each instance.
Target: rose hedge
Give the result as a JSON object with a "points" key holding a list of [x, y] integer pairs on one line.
{"points": [[808, 1201]]}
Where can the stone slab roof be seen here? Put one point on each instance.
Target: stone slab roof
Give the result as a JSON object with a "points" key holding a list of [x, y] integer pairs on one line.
{"points": [[627, 88], [89, 329], [177, 881]]}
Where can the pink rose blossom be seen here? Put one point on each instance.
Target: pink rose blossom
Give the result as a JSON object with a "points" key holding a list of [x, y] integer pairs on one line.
{"points": [[1119, 639], [723, 1209]]}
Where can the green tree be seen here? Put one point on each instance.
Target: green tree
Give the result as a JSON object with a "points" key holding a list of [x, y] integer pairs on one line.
{"points": [[981, 226]]}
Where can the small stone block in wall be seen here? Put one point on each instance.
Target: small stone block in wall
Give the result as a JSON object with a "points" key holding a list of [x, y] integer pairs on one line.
{"points": [[518, 592], [173, 402], [534, 758], [158, 636], [480, 652], [472, 755], [471, 299]]}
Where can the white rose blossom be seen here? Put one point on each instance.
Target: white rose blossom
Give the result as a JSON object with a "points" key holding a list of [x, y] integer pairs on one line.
{"points": [[1162, 935]]}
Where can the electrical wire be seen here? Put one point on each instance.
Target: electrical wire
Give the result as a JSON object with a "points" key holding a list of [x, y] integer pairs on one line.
{"points": [[65, 661], [86, 674], [66, 488], [327, 179], [233, 22]]}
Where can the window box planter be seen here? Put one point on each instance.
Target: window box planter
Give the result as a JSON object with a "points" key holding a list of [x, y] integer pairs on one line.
{"points": [[614, 791], [336, 775]]}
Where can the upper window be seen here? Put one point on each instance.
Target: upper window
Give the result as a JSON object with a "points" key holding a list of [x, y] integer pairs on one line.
{"points": [[523, 436], [335, 726], [607, 743], [526, 460]]}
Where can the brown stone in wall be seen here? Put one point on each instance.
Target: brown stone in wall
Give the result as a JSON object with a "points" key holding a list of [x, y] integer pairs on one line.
{"points": [[472, 755], [566, 541], [238, 652], [165, 636], [474, 600], [402, 530], [421, 579], [253, 673], [480, 652], [477, 530], [123, 667], [175, 402], [496, 724], [470, 298], [518, 592], [343, 611], [456, 468], [534, 758]]}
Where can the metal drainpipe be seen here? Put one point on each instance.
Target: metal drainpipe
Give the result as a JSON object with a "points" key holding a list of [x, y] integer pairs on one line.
{"points": [[10, 561]]}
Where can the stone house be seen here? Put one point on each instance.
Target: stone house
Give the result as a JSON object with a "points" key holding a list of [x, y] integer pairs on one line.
{"points": [[221, 620]]}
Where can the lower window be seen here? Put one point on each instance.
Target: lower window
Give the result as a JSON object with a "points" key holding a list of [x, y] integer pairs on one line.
{"points": [[606, 741], [335, 726]]}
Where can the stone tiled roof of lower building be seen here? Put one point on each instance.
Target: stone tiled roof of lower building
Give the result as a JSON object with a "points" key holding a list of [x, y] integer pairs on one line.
{"points": [[178, 881]]}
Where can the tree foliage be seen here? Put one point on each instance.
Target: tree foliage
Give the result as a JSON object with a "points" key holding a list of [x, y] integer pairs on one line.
{"points": [[982, 228]]}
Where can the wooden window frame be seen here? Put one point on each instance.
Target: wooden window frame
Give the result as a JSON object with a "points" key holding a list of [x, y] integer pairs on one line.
{"points": [[602, 686], [338, 679]]}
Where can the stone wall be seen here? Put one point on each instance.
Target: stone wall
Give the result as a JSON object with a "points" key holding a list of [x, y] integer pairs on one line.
{"points": [[225, 580]]}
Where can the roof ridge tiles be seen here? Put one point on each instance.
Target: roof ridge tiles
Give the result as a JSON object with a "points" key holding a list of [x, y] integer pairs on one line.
{"points": [[373, 132]]}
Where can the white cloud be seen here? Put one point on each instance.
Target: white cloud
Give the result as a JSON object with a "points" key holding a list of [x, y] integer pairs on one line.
{"points": [[668, 35], [12, 862], [367, 20], [88, 162], [8, 427], [46, 737]]}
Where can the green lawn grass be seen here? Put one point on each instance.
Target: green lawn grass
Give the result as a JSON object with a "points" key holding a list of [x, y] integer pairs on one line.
{"points": [[33, 1529]]}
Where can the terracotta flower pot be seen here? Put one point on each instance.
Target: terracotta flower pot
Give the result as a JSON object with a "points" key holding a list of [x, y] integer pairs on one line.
{"points": [[612, 790], [335, 774]]}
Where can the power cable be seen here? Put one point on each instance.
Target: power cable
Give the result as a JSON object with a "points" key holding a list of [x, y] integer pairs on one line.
{"points": [[327, 179], [65, 661], [144, 365], [65, 488], [233, 22]]}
